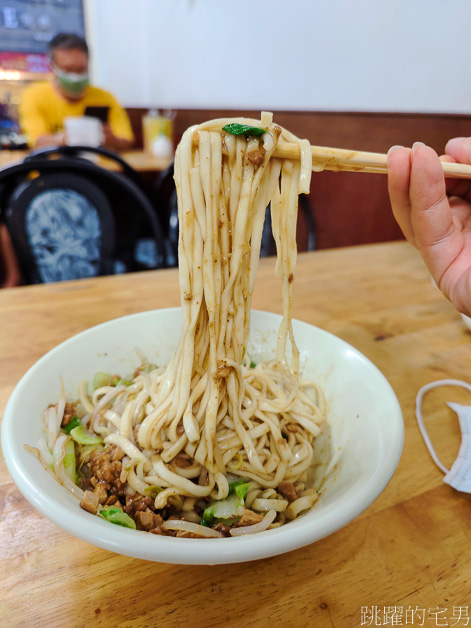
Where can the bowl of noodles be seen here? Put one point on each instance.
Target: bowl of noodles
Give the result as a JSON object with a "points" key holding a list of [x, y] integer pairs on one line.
{"points": [[209, 433], [353, 456]]}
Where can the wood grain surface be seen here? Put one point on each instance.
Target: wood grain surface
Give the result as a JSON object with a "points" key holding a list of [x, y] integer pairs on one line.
{"points": [[409, 550]]}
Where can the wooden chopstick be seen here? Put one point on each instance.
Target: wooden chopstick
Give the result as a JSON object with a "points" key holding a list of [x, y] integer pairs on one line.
{"points": [[337, 159]]}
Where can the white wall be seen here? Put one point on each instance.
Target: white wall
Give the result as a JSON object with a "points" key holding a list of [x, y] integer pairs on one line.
{"points": [[342, 55]]}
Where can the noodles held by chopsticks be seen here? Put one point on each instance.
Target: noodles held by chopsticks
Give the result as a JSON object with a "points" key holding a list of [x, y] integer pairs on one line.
{"points": [[210, 417]]}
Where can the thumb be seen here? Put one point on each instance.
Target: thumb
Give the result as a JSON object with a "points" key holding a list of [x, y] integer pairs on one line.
{"points": [[431, 216], [460, 149]]}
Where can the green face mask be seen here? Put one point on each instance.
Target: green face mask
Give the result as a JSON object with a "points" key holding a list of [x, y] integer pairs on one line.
{"points": [[71, 82]]}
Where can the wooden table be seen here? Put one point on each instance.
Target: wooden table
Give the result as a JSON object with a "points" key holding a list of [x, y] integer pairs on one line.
{"points": [[410, 549], [137, 159]]}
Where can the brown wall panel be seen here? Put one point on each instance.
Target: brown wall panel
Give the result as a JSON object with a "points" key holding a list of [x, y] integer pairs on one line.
{"points": [[362, 131], [349, 208]]}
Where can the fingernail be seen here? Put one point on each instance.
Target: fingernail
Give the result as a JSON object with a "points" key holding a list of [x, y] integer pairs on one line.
{"points": [[394, 148], [416, 145]]}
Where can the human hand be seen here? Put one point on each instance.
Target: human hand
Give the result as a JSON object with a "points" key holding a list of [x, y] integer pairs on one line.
{"points": [[56, 139], [108, 137], [112, 142], [435, 216]]}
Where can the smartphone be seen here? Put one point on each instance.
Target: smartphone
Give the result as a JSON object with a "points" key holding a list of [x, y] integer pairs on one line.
{"points": [[98, 112]]}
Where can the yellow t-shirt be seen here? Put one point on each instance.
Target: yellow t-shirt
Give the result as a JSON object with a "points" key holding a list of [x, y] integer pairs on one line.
{"points": [[42, 111]]}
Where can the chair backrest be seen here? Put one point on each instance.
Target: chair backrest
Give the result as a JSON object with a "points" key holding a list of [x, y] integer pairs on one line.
{"points": [[165, 202], [46, 202], [62, 227], [306, 229], [81, 152]]}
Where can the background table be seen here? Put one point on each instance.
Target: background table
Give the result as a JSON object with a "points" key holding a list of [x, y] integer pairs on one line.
{"points": [[137, 159], [410, 549]]}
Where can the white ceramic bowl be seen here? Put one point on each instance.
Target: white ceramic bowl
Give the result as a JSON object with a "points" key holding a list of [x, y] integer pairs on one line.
{"points": [[358, 451]]}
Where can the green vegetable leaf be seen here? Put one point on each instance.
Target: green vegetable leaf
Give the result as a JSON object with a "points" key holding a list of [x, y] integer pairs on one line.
{"points": [[121, 382], [117, 516], [74, 422], [252, 365], [239, 486], [243, 129], [241, 491], [225, 510], [101, 379], [153, 491], [69, 460], [222, 511], [82, 436]]}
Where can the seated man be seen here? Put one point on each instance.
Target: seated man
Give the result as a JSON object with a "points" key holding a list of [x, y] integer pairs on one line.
{"points": [[45, 105]]}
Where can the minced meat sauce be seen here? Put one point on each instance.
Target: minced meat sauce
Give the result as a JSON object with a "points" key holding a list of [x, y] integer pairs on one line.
{"points": [[101, 484]]}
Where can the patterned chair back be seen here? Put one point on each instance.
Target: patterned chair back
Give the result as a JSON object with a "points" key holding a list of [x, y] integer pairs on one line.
{"points": [[69, 218], [62, 228]]}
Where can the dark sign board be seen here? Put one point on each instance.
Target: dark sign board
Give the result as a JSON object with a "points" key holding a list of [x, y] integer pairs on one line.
{"points": [[29, 25]]}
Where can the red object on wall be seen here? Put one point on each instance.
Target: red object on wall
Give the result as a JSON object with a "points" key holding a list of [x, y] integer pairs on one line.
{"points": [[25, 62]]}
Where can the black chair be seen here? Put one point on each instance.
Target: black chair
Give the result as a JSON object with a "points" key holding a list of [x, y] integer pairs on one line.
{"points": [[165, 201], [306, 229], [69, 218]]}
